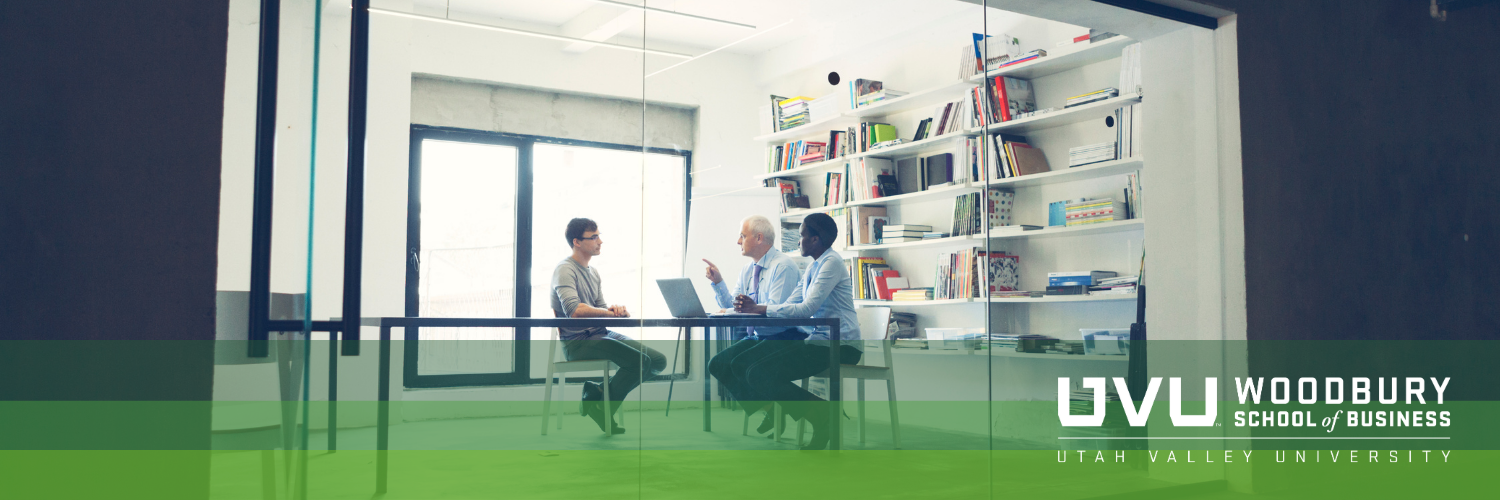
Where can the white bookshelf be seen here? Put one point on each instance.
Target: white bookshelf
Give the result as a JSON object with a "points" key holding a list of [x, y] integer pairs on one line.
{"points": [[1046, 299], [1082, 172], [934, 206], [1066, 58], [1096, 110], [1008, 353], [1057, 231], [951, 242], [956, 189], [925, 99]]}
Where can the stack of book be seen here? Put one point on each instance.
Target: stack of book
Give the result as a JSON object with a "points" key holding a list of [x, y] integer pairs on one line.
{"points": [[987, 52], [791, 195], [933, 235], [866, 269], [879, 95], [997, 205], [1094, 212], [1075, 282], [973, 273], [904, 326], [833, 188], [1017, 294], [1120, 285], [790, 155], [812, 152], [897, 233], [1133, 196], [1067, 347], [1097, 95], [912, 294], [794, 112], [1092, 153]]}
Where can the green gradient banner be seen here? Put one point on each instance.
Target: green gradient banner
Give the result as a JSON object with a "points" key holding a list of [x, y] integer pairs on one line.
{"points": [[1286, 420]]}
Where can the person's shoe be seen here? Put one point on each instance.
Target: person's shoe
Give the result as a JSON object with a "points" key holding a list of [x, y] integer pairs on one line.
{"points": [[595, 411], [818, 418], [768, 422]]}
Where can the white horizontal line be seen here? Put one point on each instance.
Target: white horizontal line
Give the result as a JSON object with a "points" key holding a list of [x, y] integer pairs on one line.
{"points": [[1220, 438]]}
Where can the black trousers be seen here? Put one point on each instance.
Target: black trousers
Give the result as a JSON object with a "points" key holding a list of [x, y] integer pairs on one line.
{"points": [[636, 361], [729, 366], [775, 377]]}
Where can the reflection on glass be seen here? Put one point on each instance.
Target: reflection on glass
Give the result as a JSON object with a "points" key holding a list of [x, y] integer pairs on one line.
{"points": [[467, 254]]}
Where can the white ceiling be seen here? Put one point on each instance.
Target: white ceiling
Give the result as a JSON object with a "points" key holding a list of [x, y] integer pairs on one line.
{"points": [[577, 18]]}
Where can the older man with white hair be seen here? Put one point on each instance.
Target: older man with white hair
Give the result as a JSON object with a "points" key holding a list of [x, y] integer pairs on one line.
{"points": [[768, 279]]}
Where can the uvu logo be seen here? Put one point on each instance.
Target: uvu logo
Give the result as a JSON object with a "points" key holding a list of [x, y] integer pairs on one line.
{"points": [[1137, 416]]}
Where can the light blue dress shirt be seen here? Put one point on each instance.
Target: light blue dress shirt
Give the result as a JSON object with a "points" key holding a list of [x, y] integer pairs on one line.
{"points": [[778, 277], [825, 291]]}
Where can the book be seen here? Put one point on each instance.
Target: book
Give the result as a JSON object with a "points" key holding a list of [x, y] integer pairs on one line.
{"points": [[1097, 95], [907, 227], [887, 185], [1028, 160], [1015, 97], [1068, 290]]}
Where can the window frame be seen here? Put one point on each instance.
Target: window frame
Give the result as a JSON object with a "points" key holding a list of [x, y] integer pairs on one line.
{"points": [[524, 145]]}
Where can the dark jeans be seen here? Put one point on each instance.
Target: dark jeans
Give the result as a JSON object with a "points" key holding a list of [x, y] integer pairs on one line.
{"points": [[636, 361], [775, 377], [730, 365]]}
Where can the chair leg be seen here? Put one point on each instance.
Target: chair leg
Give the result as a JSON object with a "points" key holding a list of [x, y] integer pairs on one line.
{"points": [[801, 424], [609, 415], [547, 402], [890, 389], [268, 474], [745, 427], [562, 395], [860, 384], [776, 413]]}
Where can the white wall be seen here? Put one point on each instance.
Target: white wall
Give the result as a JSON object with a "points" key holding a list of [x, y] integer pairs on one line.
{"points": [[1185, 268]]}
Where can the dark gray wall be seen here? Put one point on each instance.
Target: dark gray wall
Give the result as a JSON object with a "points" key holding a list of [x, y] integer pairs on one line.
{"points": [[1371, 169], [109, 148]]}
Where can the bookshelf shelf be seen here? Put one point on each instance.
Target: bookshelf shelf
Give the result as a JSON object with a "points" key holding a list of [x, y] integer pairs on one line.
{"points": [[925, 99], [805, 211], [808, 130], [1049, 299], [951, 241], [1057, 231], [939, 192], [915, 303], [834, 165], [1091, 111], [899, 150], [1067, 58], [1005, 353], [1091, 171]]}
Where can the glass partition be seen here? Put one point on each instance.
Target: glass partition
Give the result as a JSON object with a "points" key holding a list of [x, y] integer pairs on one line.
{"points": [[940, 177]]}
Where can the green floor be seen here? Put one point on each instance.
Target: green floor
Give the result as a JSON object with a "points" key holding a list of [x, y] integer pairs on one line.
{"points": [[671, 457]]}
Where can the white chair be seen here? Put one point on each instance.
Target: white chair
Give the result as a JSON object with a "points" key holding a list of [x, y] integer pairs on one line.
{"points": [[558, 368], [873, 322]]}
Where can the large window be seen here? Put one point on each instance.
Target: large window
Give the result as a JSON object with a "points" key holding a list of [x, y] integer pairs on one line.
{"points": [[486, 221]]}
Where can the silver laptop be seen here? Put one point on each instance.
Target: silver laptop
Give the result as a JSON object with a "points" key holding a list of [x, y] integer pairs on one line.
{"points": [[682, 300]]}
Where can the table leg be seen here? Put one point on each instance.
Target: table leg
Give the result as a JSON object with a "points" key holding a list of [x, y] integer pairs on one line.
{"points": [[383, 421], [835, 383], [333, 392], [708, 425]]}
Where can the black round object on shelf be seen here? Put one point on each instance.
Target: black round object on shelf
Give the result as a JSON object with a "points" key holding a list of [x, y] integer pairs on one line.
{"points": [[833, 78], [1109, 121]]}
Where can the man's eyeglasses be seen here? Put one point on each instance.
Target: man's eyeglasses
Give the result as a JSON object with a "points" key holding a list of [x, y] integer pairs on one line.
{"points": [[594, 237]]}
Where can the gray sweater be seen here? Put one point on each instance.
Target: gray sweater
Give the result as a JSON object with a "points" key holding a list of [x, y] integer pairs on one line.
{"points": [[573, 284]]}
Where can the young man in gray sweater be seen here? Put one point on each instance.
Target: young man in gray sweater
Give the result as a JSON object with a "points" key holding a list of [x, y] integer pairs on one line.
{"points": [[577, 293]]}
